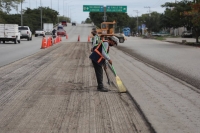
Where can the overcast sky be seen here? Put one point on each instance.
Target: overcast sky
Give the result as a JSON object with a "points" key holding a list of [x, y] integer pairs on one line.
{"points": [[74, 8]]}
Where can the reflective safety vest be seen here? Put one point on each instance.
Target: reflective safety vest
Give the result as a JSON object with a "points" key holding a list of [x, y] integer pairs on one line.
{"points": [[97, 40], [96, 55]]}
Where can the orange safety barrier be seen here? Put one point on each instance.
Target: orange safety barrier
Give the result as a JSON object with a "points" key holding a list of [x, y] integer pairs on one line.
{"points": [[44, 43]]}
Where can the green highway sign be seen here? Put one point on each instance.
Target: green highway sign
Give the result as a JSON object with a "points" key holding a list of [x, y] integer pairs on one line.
{"points": [[93, 8], [116, 8]]}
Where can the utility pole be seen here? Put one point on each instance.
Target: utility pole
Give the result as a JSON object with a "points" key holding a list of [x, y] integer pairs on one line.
{"points": [[149, 10], [104, 17], [149, 18], [137, 19]]}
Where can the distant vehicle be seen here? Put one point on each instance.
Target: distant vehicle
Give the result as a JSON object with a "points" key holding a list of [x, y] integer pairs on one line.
{"points": [[39, 32], [64, 23], [74, 23], [48, 27], [186, 34], [59, 27], [155, 34], [108, 29], [61, 32], [9, 32], [127, 31], [162, 33], [25, 32]]}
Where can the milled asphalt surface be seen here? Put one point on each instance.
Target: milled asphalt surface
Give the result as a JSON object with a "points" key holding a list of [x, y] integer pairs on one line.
{"points": [[55, 90]]}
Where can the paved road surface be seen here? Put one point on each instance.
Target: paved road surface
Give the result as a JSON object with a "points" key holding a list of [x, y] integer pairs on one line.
{"points": [[180, 61]]}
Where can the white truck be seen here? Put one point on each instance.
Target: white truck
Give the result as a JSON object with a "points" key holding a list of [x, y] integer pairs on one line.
{"points": [[25, 32], [48, 28], [9, 32]]}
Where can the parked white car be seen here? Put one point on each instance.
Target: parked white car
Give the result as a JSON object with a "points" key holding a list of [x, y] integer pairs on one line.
{"points": [[39, 32], [25, 32]]}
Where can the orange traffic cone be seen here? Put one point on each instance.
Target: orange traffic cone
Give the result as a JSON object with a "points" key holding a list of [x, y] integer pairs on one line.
{"points": [[57, 39], [66, 36], [88, 38], [51, 41], [44, 43], [47, 42], [78, 38]]}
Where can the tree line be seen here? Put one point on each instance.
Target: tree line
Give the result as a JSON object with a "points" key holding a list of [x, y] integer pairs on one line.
{"points": [[30, 17], [185, 13]]}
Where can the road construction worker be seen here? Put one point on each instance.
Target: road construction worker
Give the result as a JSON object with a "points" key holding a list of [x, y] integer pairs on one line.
{"points": [[54, 33], [95, 38], [99, 56]]}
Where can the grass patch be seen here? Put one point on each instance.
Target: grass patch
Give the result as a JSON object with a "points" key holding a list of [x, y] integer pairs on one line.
{"points": [[161, 38]]}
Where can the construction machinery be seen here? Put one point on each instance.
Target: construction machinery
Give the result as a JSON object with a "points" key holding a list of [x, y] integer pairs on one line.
{"points": [[108, 29]]}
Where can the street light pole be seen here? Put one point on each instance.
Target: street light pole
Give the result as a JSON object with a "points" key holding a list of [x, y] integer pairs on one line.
{"points": [[41, 13], [137, 19], [58, 11], [66, 6], [21, 15]]}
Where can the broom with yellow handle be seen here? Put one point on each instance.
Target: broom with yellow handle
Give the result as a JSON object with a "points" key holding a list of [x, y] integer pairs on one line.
{"points": [[120, 85]]}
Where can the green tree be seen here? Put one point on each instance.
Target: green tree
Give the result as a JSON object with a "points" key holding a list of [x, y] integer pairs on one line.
{"points": [[2, 17], [122, 19], [88, 20], [152, 21], [7, 5], [194, 14], [172, 16], [31, 17], [133, 24]]}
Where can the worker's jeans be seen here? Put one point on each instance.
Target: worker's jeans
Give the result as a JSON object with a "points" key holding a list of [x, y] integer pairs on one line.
{"points": [[99, 74]]}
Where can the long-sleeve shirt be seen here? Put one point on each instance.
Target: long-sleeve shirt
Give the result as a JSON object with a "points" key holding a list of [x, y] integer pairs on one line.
{"points": [[105, 54]]}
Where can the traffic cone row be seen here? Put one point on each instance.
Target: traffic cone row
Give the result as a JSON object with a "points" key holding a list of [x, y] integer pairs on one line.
{"points": [[50, 41]]}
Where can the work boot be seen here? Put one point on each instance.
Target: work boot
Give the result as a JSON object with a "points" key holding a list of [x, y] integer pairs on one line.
{"points": [[103, 89]]}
